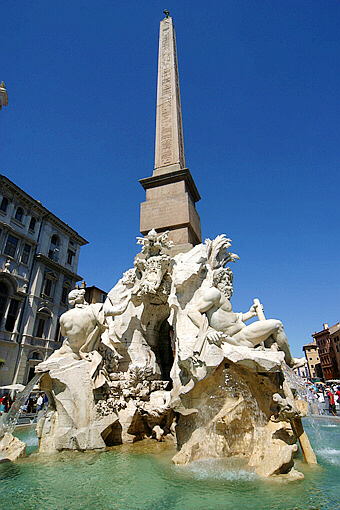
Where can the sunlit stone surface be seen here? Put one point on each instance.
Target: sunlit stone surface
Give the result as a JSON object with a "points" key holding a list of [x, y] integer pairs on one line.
{"points": [[166, 357]]}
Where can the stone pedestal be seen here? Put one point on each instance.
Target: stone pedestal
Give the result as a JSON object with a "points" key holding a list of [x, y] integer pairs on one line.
{"points": [[72, 421], [170, 205]]}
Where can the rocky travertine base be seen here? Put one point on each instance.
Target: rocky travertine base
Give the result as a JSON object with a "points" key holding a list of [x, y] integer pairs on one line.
{"points": [[127, 408], [231, 414], [274, 446], [11, 448], [71, 422], [142, 405]]}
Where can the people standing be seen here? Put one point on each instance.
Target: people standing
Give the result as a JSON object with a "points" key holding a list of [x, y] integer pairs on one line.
{"points": [[4, 404], [40, 402], [337, 393], [331, 402]]}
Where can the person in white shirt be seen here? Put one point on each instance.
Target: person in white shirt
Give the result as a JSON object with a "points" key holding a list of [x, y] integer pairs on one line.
{"points": [[40, 402]]}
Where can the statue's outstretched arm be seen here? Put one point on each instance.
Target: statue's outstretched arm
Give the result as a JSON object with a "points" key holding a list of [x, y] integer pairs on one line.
{"points": [[116, 309], [250, 314]]}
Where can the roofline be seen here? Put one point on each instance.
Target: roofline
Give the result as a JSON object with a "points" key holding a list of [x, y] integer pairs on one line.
{"points": [[320, 333], [95, 287], [43, 210], [311, 344]]}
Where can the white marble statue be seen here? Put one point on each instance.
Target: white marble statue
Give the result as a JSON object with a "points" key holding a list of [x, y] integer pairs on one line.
{"points": [[154, 263], [182, 302], [82, 327], [224, 325]]}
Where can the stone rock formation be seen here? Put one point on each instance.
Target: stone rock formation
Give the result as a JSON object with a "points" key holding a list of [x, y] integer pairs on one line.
{"points": [[166, 354], [11, 448]]}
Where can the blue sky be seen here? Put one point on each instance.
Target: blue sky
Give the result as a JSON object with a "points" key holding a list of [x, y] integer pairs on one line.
{"points": [[260, 101]]}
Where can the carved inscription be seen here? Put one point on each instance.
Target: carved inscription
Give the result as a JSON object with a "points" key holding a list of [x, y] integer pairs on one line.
{"points": [[170, 135], [179, 112], [166, 127]]}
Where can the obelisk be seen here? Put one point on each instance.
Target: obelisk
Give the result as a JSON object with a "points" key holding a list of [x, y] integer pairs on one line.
{"points": [[171, 193]]}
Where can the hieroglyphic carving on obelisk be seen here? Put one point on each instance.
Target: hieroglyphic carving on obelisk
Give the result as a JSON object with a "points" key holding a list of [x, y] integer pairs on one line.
{"points": [[169, 150]]}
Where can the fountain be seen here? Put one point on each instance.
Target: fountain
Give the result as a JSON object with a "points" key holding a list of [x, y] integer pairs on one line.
{"points": [[165, 357], [12, 448]]}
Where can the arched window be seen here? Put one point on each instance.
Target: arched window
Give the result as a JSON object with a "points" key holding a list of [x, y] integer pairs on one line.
{"points": [[19, 214], [4, 204], [55, 240], [32, 223], [3, 299], [54, 248]]}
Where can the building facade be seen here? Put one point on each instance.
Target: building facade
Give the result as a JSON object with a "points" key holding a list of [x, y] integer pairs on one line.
{"points": [[328, 350], [303, 372], [334, 333], [313, 361], [38, 267], [93, 294]]}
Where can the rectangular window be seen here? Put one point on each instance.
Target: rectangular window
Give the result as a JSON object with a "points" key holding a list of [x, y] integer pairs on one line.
{"points": [[70, 256], [57, 336], [12, 315], [32, 224], [11, 245], [3, 302], [25, 253], [64, 295], [48, 287], [41, 328]]}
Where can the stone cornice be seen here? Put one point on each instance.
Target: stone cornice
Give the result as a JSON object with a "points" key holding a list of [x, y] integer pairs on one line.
{"points": [[178, 175], [39, 209], [324, 332], [57, 267]]}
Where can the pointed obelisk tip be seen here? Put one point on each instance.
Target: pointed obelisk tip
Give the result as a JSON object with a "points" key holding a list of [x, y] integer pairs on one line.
{"points": [[166, 12]]}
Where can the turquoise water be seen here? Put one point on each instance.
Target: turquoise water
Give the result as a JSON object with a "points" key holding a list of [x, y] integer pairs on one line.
{"points": [[142, 477]]}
